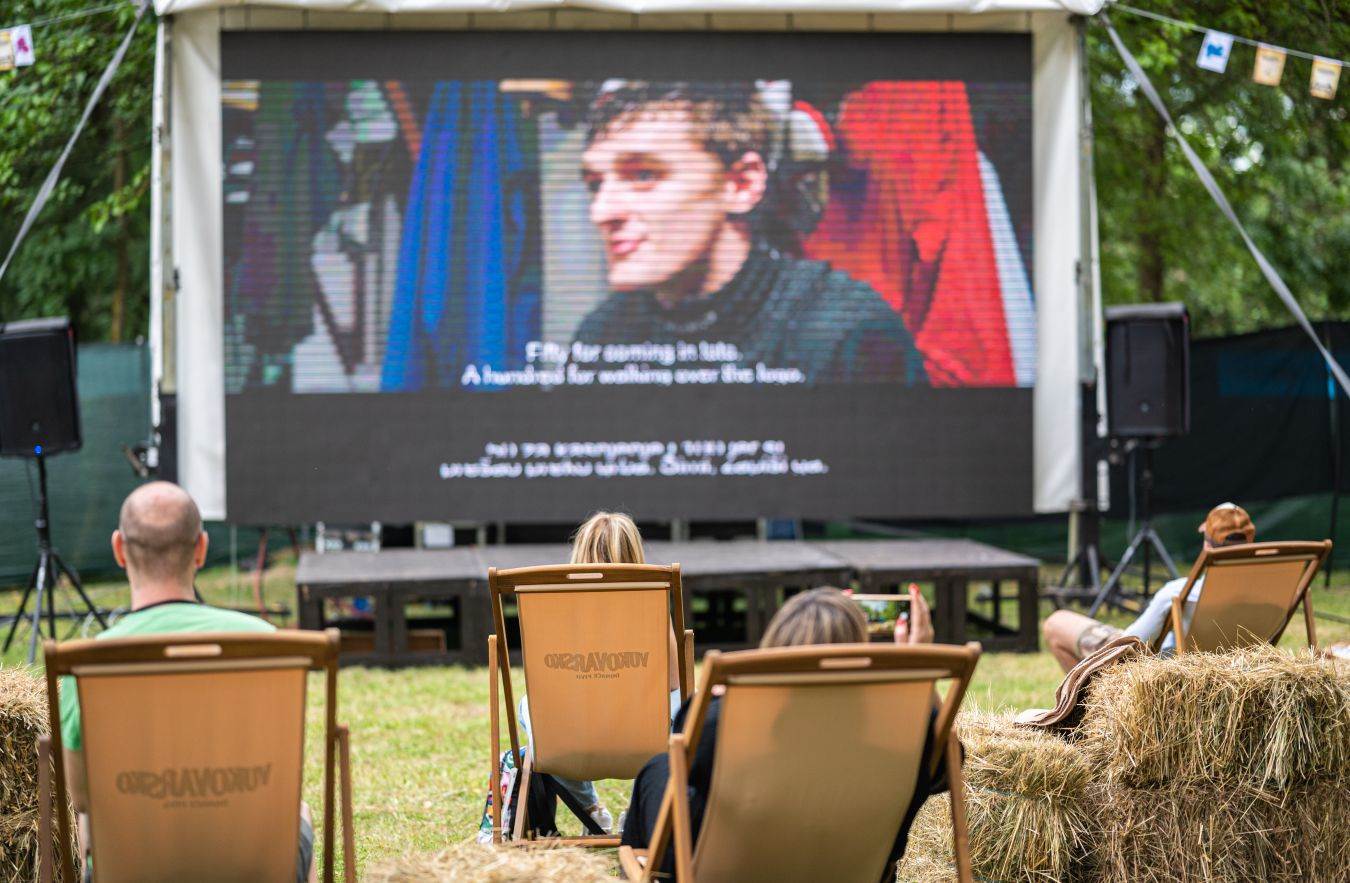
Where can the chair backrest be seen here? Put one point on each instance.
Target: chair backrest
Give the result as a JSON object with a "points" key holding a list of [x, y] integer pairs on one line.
{"points": [[818, 755], [193, 748], [594, 644], [1249, 594]]}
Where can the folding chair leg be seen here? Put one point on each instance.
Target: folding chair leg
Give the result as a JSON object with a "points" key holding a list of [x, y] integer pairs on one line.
{"points": [[688, 664], [44, 751], [956, 785], [523, 804], [631, 862], [494, 740], [1308, 619], [344, 746], [679, 789]]}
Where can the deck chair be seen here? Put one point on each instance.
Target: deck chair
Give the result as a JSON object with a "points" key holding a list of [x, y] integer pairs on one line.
{"points": [[193, 748], [817, 757], [1249, 595], [594, 646]]}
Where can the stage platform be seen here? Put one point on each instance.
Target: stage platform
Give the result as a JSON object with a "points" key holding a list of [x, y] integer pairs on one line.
{"points": [[429, 607]]}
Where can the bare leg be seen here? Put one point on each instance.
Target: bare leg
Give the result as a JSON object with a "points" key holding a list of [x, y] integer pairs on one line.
{"points": [[1063, 632]]}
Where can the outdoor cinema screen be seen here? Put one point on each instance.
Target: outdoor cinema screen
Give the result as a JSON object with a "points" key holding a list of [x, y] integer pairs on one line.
{"points": [[522, 276]]}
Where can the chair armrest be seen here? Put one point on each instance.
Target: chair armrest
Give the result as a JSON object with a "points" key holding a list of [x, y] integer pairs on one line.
{"points": [[633, 863]]}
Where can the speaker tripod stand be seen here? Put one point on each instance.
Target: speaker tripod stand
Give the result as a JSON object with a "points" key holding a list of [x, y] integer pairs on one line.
{"points": [[1145, 539], [46, 575]]}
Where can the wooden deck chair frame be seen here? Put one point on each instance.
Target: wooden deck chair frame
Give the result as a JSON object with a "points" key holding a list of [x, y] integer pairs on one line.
{"points": [[169, 653], [511, 583], [815, 665], [1311, 555]]}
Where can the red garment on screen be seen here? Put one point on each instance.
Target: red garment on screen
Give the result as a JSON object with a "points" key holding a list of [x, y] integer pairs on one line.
{"points": [[909, 218]]}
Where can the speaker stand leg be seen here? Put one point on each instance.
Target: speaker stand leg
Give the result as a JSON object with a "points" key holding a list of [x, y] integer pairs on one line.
{"points": [[1156, 542], [1112, 584], [79, 588], [23, 606], [44, 577]]}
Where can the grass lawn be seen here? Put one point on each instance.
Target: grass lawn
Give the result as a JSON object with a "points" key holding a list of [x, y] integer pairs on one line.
{"points": [[420, 736]]}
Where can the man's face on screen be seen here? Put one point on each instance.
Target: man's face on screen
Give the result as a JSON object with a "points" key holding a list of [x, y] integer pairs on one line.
{"points": [[659, 198]]}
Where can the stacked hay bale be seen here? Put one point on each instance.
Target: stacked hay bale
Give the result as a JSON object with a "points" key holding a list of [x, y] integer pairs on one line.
{"points": [[1027, 807], [23, 718], [502, 864], [1222, 767]]}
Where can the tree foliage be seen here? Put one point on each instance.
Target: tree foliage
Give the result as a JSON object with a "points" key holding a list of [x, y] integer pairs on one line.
{"points": [[87, 256], [1279, 154]]}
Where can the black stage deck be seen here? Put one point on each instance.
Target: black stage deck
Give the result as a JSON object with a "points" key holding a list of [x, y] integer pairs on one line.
{"points": [[731, 590]]}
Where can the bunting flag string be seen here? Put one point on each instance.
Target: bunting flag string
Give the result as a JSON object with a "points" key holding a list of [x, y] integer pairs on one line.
{"points": [[16, 43], [1225, 207], [1268, 69]]}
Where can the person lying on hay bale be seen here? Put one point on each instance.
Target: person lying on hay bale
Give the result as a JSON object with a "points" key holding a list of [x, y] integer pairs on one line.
{"points": [[1072, 636]]}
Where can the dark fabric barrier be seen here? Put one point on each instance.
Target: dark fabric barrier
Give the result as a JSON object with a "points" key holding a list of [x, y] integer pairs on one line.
{"points": [[1263, 424]]}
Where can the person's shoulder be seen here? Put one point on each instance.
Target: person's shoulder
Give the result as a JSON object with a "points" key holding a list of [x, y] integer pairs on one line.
{"points": [[599, 324], [820, 288], [184, 617], [237, 620]]}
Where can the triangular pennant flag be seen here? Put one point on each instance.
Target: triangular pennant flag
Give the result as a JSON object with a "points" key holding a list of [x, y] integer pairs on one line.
{"points": [[1214, 51], [6, 52], [1326, 72], [1269, 65]]}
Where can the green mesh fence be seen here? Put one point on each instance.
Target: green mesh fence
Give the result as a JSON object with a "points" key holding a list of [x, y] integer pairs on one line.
{"points": [[85, 488]]}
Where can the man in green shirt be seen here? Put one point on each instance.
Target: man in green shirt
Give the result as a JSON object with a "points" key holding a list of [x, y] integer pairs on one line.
{"points": [[160, 543]]}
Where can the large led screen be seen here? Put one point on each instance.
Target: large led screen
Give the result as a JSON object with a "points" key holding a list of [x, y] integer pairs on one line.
{"points": [[520, 276]]}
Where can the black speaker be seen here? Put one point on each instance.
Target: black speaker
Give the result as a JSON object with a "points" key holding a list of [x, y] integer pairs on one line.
{"points": [[39, 411], [1148, 371]]}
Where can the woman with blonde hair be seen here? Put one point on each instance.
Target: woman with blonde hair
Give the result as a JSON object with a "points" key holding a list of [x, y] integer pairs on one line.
{"points": [[604, 538], [820, 616]]}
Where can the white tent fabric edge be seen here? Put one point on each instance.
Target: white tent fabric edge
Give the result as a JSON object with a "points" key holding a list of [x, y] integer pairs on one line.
{"points": [[639, 7], [194, 356]]}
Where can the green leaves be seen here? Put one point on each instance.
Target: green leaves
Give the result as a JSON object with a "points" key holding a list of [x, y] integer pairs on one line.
{"points": [[1279, 154], [94, 222]]}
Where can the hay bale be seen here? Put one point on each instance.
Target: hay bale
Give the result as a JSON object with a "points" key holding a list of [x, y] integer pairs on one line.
{"points": [[497, 864], [1027, 807], [23, 718], [19, 847], [1258, 717], [1224, 834]]}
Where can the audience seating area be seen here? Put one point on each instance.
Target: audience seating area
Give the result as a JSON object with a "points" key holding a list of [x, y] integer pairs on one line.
{"points": [[1227, 761]]}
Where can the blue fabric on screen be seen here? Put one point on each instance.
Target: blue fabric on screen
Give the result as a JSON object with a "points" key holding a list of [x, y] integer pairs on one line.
{"points": [[468, 287]]}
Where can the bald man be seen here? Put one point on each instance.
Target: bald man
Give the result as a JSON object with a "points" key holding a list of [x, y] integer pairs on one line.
{"points": [[160, 543]]}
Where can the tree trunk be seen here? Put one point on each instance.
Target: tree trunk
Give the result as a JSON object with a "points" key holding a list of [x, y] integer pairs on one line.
{"points": [[119, 298], [1152, 267]]}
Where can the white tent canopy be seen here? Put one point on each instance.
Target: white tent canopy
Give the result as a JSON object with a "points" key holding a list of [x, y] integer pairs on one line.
{"points": [[642, 7]]}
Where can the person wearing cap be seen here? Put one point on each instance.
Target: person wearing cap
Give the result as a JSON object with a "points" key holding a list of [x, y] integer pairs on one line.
{"points": [[1072, 636], [680, 185]]}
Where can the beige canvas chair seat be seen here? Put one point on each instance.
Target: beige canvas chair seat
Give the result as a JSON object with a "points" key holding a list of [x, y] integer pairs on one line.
{"points": [[1249, 595], [193, 751], [594, 646], [817, 759]]}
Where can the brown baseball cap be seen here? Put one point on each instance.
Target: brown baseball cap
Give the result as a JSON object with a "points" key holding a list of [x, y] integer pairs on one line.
{"points": [[1228, 524]]}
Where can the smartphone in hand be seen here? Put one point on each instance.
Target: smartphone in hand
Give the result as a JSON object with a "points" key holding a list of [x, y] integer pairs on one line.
{"points": [[882, 612]]}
